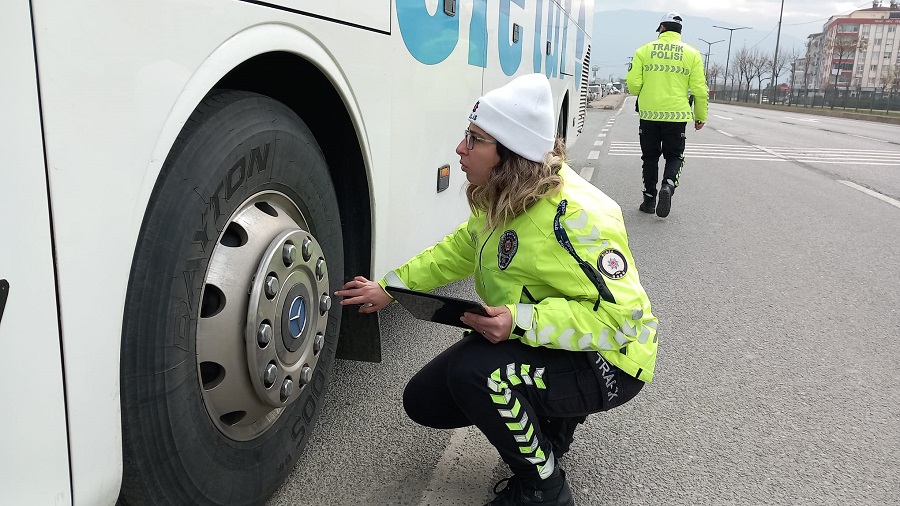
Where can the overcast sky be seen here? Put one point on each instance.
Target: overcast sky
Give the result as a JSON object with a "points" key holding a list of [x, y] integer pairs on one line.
{"points": [[801, 17]]}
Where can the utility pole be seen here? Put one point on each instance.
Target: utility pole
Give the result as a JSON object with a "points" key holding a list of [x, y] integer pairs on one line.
{"points": [[775, 58], [728, 58], [708, 52]]}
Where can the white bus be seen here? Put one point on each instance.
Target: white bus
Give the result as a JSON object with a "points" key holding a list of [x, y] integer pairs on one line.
{"points": [[184, 184]]}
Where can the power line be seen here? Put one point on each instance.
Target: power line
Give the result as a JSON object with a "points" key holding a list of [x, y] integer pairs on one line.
{"points": [[829, 17]]}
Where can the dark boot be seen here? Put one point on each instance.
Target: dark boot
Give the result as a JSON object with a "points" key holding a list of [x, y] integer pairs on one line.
{"points": [[554, 491], [560, 432], [649, 205], [665, 200]]}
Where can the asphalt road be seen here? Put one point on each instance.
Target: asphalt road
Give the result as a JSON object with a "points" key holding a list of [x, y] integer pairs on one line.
{"points": [[775, 281]]}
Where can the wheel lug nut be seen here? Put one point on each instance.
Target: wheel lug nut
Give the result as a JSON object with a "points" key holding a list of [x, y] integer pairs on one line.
{"points": [[318, 343], [271, 286], [287, 388], [270, 375], [307, 249], [288, 254], [320, 269], [324, 304], [305, 375], [264, 334]]}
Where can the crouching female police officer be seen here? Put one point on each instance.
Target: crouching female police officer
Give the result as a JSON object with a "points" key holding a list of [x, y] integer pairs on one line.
{"points": [[570, 330]]}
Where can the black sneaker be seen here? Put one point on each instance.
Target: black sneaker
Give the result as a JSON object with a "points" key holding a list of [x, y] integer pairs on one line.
{"points": [[560, 432], [649, 205], [554, 491], [665, 200]]}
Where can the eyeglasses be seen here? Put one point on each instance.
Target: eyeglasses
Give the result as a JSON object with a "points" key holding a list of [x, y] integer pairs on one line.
{"points": [[471, 138]]}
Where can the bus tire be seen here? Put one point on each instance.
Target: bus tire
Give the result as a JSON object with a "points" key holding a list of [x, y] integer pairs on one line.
{"points": [[228, 334]]}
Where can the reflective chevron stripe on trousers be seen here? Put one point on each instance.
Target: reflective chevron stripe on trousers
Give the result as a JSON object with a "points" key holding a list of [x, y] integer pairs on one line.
{"points": [[505, 388]]}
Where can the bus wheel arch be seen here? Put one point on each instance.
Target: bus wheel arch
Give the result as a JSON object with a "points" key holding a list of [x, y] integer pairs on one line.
{"points": [[309, 92], [562, 124]]}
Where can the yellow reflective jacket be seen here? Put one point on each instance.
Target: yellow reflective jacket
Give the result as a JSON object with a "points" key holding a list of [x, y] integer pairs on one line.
{"points": [[661, 73], [552, 297]]}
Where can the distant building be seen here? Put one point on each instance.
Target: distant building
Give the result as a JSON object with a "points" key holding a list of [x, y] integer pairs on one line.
{"points": [[815, 62], [860, 50]]}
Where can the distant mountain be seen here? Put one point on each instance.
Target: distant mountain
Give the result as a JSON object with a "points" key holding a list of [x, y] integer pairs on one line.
{"points": [[618, 33]]}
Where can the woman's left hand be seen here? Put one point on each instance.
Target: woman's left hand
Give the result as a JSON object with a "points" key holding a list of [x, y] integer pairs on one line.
{"points": [[495, 328]]}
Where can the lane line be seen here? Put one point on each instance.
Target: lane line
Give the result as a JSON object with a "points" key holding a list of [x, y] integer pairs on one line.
{"points": [[870, 138], [593, 155], [724, 133], [598, 143], [872, 193], [587, 173], [723, 117]]}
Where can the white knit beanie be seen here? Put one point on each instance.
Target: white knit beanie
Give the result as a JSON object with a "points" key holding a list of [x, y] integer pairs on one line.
{"points": [[520, 116]]}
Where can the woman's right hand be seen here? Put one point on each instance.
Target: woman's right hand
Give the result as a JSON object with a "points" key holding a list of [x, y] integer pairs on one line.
{"points": [[368, 294]]}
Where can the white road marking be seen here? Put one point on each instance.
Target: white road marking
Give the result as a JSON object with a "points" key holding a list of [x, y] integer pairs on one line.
{"points": [[602, 135], [870, 138], [593, 155], [722, 117], [767, 150], [598, 143], [872, 157], [809, 120], [587, 173], [462, 464], [724, 133], [872, 193]]}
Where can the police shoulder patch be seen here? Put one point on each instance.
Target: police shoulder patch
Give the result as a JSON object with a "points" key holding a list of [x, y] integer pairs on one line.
{"points": [[612, 264], [506, 250]]}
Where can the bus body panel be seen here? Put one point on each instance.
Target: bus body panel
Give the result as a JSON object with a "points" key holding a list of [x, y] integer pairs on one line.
{"points": [[116, 96], [34, 463], [371, 14], [99, 113]]}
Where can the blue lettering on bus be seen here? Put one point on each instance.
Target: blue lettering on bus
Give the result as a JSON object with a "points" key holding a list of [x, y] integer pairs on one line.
{"points": [[552, 68], [432, 38], [579, 41], [510, 53], [538, 42], [565, 39], [428, 38], [478, 34]]}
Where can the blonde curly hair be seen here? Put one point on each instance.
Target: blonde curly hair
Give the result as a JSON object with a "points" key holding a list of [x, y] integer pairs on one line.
{"points": [[516, 184]]}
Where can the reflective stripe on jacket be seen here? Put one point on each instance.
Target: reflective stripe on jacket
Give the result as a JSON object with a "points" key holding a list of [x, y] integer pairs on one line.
{"points": [[552, 300], [660, 75]]}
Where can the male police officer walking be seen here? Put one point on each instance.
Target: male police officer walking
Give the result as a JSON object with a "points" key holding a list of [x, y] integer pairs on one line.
{"points": [[661, 73]]}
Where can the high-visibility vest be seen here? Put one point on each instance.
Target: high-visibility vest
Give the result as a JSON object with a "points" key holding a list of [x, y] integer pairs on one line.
{"points": [[661, 73], [597, 304]]}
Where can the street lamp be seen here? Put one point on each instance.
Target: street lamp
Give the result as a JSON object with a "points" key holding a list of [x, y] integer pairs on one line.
{"points": [[728, 58], [708, 52]]}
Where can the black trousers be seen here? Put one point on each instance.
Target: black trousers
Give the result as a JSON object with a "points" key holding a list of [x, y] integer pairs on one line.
{"points": [[661, 138], [505, 389]]}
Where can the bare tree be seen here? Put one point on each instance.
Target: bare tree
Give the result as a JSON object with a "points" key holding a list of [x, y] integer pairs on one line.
{"points": [[892, 77], [785, 59], [715, 70], [744, 62], [844, 47], [759, 63]]}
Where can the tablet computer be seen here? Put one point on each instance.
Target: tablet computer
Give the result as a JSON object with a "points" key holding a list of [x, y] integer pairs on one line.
{"points": [[435, 308]]}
